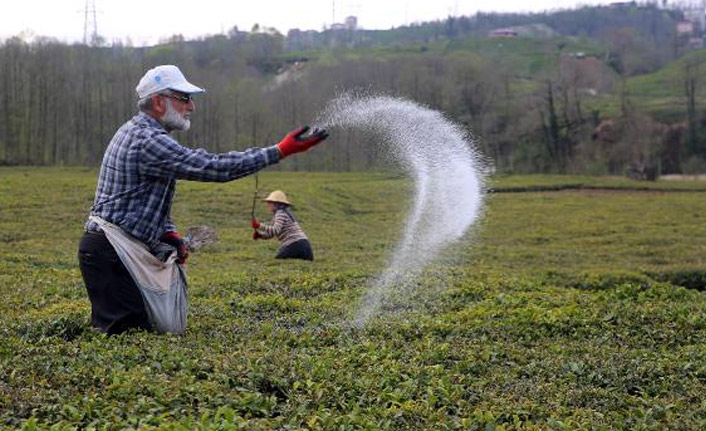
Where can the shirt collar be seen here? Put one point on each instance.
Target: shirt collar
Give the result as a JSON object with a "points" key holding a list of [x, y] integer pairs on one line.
{"points": [[146, 120]]}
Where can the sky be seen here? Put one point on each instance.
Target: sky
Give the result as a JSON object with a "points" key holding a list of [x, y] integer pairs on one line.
{"points": [[145, 22]]}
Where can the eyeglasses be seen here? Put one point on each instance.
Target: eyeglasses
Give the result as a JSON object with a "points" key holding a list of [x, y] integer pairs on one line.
{"points": [[184, 99]]}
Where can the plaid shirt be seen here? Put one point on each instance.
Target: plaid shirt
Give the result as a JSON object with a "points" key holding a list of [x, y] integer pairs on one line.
{"points": [[139, 172]]}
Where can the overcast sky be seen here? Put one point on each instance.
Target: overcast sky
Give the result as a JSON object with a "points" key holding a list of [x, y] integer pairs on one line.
{"points": [[145, 21]]}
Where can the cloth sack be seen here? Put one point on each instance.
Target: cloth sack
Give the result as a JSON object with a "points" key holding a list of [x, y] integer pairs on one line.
{"points": [[162, 283]]}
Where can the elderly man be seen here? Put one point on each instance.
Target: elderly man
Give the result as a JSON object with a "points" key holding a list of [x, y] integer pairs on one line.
{"points": [[135, 190]]}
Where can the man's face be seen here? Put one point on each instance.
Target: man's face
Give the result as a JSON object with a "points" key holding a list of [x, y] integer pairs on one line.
{"points": [[178, 108]]}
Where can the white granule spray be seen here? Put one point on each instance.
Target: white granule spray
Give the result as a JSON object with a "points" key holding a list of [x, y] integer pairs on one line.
{"points": [[448, 174]]}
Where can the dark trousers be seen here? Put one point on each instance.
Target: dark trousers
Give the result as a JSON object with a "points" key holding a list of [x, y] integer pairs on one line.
{"points": [[116, 302], [297, 250]]}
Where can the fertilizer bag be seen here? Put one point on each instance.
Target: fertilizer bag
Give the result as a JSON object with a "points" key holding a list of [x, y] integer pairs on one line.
{"points": [[161, 283]]}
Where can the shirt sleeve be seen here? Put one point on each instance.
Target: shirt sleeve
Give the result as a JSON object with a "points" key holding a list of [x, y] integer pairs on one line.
{"points": [[268, 231], [169, 226], [163, 156]]}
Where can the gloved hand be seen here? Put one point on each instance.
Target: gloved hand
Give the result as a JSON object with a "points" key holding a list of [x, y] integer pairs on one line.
{"points": [[255, 224], [255, 235], [175, 239], [298, 140]]}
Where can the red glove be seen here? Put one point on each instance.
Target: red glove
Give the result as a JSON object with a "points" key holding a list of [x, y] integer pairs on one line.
{"points": [[255, 235], [175, 239], [255, 224], [298, 141]]}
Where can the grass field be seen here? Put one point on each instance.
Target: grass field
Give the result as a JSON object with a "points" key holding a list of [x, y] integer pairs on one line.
{"points": [[577, 304]]}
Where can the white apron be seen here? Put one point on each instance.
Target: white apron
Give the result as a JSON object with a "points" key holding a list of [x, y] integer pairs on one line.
{"points": [[162, 284]]}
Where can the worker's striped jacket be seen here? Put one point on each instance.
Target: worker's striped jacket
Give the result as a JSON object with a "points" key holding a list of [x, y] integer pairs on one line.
{"points": [[284, 227]]}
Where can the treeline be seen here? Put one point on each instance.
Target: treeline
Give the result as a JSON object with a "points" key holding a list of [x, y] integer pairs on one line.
{"points": [[61, 104], [530, 103]]}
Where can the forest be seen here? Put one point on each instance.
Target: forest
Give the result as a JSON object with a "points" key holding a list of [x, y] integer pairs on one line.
{"points": [[595, 90]]}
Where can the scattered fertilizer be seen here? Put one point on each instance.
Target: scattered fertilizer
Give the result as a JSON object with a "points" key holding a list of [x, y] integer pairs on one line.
{"points": [[448, 174]]}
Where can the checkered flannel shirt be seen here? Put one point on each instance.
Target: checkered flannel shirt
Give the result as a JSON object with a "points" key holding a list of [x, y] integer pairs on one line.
{"points": [[139, 172]]}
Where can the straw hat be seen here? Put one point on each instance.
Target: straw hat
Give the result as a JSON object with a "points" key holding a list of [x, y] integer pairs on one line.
{"points": [[277, 196]]}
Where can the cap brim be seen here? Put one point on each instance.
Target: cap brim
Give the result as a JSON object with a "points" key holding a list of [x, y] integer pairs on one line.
{"points": [[187, 87], [276, 202]]}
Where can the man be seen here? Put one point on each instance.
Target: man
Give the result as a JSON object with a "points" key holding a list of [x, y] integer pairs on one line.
{"points": [[136, 186]]}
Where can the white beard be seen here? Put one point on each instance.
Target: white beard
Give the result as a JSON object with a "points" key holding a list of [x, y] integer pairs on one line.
{"points": [[173, 120]]}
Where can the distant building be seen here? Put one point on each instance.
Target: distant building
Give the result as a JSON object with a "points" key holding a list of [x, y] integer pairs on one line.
{"points": [[622, 4], [351, 23], [533, 31], [685, 28], [695, 43], [503, 32], [236, 34], [697, 16]]}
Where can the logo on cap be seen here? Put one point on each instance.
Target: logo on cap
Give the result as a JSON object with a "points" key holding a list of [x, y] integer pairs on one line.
{"points": [[157, 79]]}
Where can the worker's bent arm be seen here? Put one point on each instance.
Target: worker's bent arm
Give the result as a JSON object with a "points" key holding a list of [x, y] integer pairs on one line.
{"points": [[268, 231]]}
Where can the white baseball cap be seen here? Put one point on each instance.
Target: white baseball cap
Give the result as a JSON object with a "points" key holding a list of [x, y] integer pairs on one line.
{"points": [[165, 77]]}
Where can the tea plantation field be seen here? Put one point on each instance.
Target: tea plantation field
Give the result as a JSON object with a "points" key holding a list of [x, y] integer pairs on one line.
{"points": [[576, 303]]}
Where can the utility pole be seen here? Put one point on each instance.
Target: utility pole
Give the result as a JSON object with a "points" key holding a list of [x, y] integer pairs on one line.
{"points": [[90, 24]]}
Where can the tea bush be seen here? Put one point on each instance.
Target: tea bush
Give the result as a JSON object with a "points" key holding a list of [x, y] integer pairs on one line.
{"points": [[571, 310]]}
